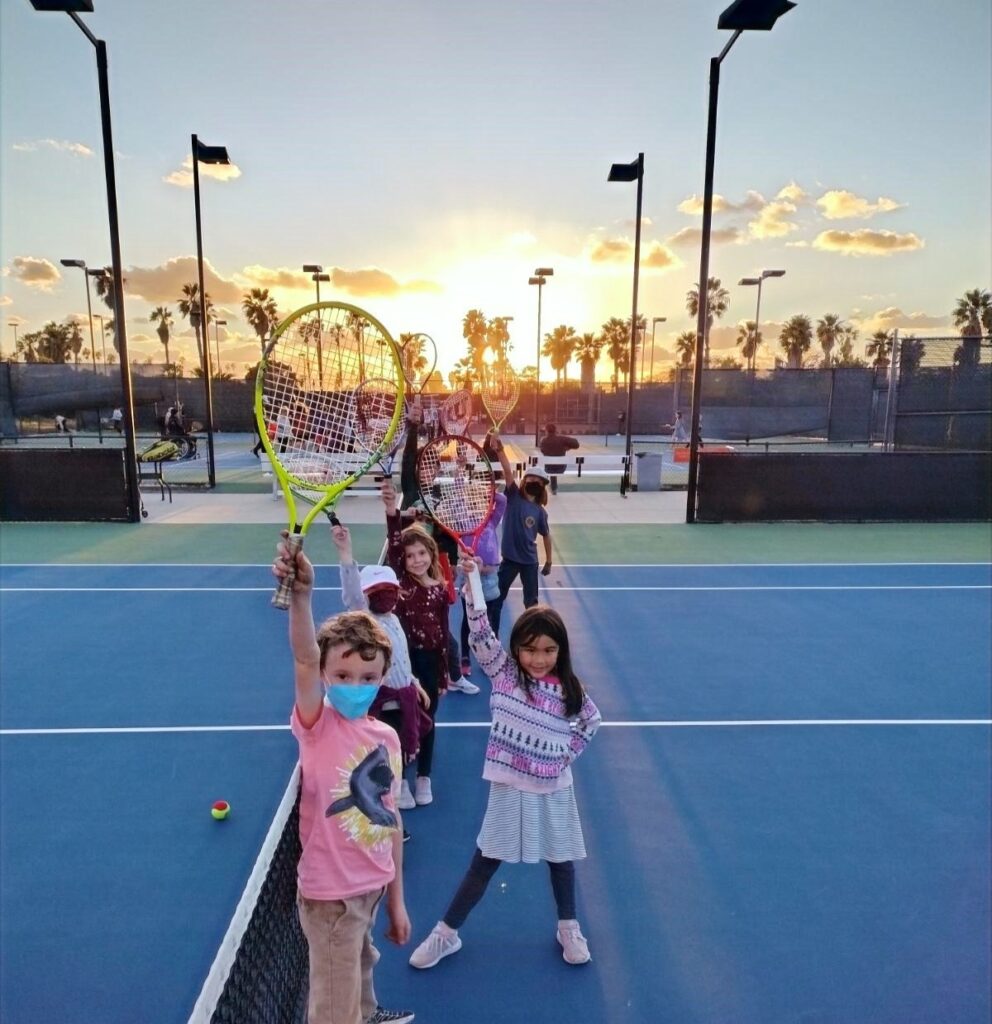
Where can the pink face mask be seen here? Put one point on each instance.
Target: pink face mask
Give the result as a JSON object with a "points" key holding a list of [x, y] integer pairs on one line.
{"points": [[383, 601]]}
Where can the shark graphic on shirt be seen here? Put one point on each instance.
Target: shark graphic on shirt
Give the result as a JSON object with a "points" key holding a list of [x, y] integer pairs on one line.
{"points": [[368, 784]]}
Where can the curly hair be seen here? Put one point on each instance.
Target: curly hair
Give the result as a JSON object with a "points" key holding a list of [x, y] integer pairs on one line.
{"points": [[358, 633], [416, 534]]}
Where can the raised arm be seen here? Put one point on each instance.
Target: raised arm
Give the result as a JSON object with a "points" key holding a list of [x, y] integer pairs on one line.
{"points": [[302, 634], [351, 585], [583, 727], [408, 462], [504, 460]]}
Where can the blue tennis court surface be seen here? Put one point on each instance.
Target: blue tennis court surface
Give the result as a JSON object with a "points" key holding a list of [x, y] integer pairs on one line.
{"points": [[787, 811]]}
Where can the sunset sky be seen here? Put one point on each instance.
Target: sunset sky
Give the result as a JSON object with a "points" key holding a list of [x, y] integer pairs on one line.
{"points": [[431, 154]]}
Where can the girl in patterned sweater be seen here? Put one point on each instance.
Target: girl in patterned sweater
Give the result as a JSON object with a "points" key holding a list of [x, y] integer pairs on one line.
{"points": [[542, 720]]}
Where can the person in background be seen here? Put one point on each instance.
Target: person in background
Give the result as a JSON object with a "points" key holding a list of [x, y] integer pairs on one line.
{"points": [[117, 419], [61, 425], [679, 430], [555, 444]]}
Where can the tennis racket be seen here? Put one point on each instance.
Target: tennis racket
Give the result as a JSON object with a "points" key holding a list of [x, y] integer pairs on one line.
{"points": [[306, 383], [375, 403], [454, 413], [458, 489], [500, 388], [419, 355]]}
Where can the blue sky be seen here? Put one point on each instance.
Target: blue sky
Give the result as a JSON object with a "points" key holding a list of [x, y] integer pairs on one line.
{"points": [[434, 153]]}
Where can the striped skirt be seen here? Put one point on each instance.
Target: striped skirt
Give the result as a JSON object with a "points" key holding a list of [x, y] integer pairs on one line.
{"points": [[531, 827]]}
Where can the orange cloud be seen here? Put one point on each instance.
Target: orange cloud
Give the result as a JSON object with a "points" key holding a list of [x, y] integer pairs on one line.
{"points": [[839, 204], [612, 250], [277, 277], [693, 236], [865, 242], [35, 272], [371, 281], [693, 205], [165, 282], [773, 220], [892, 317], [659, 257]]}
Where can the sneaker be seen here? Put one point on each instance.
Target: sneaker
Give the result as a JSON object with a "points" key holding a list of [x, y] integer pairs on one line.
{"points": [[466, 668], [405, 801], [463, 686], [434, 948], [384, 1016], [423, 794], [574, 948]]}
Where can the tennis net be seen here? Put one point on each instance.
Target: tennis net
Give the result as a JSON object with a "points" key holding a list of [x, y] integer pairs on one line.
{"points": [[259, 975]]}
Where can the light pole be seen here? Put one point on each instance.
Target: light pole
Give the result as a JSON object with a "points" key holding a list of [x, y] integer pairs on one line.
{"points": [[72, 7], [540, 278], [14, 323], [316, 275], [757, 312], [103, 342], [631, 172], [89, 308], [655, 320], [206, 155], [218, 324], [740, 16]]}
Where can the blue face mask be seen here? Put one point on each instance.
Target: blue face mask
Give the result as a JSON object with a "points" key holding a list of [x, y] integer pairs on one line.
{"points": [[352, 700]]}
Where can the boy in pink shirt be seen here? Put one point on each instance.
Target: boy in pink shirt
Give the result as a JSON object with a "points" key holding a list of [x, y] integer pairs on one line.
{"points": [[350, 828]]}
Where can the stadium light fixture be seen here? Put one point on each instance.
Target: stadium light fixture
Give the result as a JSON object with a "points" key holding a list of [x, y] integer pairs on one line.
{"points": [[655, 320], [218, 324], [752, 281], [81, 264], [631, 172], [740, 16], [74, 8]]}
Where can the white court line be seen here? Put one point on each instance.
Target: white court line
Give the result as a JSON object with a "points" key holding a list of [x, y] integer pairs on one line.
{"points": [[661, 724], [560, 565], [549, 588]]}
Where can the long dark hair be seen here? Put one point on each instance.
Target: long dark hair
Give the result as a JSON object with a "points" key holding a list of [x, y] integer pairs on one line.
{"points": [[540, 620]]}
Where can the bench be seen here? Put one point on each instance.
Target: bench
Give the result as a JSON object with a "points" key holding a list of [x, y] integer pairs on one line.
{"points": [[152, 470], [580, 465]]}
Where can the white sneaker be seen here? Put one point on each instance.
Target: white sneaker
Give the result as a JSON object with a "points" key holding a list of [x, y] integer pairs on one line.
{"points": [[422, 792], [463, 685], [434, 948], [574, 948], [406, 801]]}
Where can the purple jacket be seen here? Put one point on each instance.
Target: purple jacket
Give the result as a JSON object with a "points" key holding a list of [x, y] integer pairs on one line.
{"points": [[488, 549]]}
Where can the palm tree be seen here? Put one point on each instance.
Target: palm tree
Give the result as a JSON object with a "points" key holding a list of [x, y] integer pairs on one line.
{"points": [[105, 289], [559, 347], [615, 335], [75, 341], [911, 352], [260, 311], [796, 338], [190, 301], [718, 302], [748, 340], [845, 354], [829, 330], [475, 329], [973, 317], [498, 337], [879, 349], [685, 347], [164, 317], [587, 351]]}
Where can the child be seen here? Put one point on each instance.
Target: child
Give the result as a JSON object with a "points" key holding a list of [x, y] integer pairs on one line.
{"points": [[350, 829], [376, 590], [422, 608], [542, 721], [488, 551], [525, 518]]}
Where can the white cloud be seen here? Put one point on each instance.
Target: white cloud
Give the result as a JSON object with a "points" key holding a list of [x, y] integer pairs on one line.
{"points": [[892, 316], [839, 204], [773, 220], [60, 146], [183, 178], [693, 205], [793, 193], [6, 300], [693, 236]]}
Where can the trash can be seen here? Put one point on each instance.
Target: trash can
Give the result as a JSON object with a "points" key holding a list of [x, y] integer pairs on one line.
{"points": [[649, 471]]}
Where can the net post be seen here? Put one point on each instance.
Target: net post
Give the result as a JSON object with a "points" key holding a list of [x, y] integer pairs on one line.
{"points": [[892, 399]]}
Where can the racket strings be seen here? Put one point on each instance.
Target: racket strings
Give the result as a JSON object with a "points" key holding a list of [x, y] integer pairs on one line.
{"points": [[456, 484], [500, 390], [309, 383]]}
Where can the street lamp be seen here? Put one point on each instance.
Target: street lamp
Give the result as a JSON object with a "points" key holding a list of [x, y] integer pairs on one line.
{"points": [[316, 275], [654, 323], [757, 313], [631, 172], [218, 324], [206, 155], [72, 8], [89, 308], [14, 323], [103, 342], [740, 16], [540, 278]]}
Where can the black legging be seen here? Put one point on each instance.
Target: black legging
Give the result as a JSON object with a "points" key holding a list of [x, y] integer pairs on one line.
{"points": [[482, 869], [426, 666]]}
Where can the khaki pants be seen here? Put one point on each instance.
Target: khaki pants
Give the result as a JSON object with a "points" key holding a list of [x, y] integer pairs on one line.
{"points": [[339, 935]]}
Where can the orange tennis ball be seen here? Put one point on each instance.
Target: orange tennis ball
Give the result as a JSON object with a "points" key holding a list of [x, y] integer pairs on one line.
{"points": [[220, 810]]}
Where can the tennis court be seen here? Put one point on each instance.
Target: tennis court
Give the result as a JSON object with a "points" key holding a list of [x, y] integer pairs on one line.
{"points": [[787, 810]]}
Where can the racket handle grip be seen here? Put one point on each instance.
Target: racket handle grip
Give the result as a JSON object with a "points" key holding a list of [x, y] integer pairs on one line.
{"points": [[284, 591], [475, 588]]}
